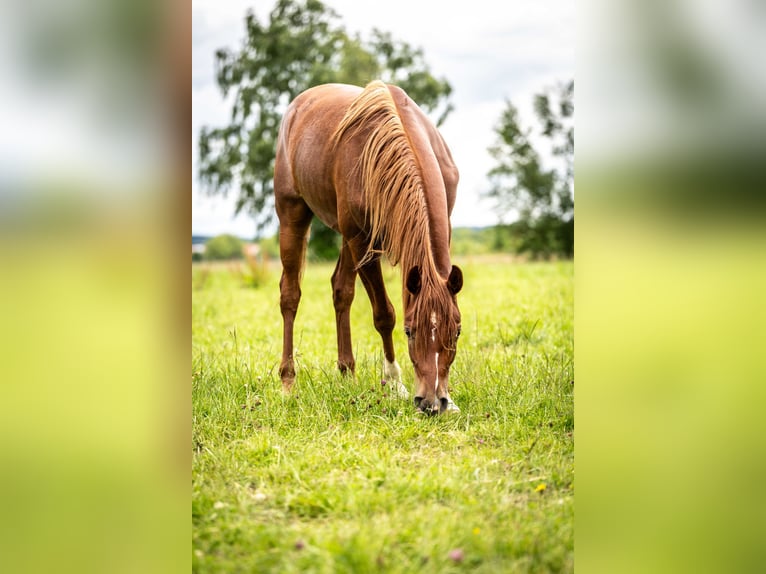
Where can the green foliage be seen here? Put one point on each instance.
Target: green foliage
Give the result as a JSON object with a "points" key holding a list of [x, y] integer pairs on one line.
{"points": [[324, 243], [469, 241], [342, 477], [504, 241], [223, 247], [302, 45], [542, 197], [541, 237]]}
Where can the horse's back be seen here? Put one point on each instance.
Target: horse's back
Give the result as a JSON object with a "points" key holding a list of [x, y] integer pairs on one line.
{"points": [[304, 161], [311, 119]]}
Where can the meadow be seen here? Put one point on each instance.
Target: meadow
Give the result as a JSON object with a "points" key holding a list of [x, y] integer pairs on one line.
{"points": [[342, 477]]}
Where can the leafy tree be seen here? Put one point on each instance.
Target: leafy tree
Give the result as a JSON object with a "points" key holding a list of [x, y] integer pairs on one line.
{"points": [[543, 197], [223, 247], [302, 45]]}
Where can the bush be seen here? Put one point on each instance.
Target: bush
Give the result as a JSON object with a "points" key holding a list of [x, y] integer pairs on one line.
{"points": [[223, 247], [324, 243]]}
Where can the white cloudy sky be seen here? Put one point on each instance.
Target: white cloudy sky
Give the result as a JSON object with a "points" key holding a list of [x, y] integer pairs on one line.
{"points": [[489, 50]]}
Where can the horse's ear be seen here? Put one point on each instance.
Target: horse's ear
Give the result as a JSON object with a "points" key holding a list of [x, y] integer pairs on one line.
{"points": [[413, 280], [455, 281]]}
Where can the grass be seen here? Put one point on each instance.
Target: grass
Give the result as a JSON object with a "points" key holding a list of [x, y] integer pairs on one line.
{"points": [[342, 477]]}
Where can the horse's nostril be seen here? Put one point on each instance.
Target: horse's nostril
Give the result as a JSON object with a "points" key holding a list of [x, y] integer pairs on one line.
{"points": [[443, 404], [427, 408]]}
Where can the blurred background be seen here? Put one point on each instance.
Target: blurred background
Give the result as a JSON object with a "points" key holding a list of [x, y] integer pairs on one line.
{"points": [[97, 189], [670, 276], [94, 396]]}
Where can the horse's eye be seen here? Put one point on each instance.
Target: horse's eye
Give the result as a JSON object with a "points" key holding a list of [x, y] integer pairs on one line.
{"points": [[408, 332], [458, 331]]}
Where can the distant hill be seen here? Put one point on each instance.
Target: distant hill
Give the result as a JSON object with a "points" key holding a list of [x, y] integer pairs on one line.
{"points": [[197, 239]]}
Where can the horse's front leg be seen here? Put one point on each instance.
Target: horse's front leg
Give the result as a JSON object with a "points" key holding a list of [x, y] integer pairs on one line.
{"points": [[384, 317], [343, 285]]}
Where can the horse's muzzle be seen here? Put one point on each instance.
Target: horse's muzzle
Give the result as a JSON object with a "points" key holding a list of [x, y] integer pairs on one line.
{"points": [[435, 406]]}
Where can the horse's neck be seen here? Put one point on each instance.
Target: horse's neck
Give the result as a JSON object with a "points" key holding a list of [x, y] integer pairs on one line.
{"points": [[440, 240], [438, 215]]}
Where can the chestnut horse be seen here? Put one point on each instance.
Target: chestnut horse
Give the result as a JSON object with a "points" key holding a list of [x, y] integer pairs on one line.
{"points": [[371, 165]]}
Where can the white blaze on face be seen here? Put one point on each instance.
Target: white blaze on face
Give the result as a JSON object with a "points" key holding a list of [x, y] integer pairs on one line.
{"points": [[436, 384]]}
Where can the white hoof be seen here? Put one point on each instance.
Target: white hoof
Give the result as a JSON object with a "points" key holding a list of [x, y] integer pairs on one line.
{"points": [[451, 407], [399, 390], [392, 374]]}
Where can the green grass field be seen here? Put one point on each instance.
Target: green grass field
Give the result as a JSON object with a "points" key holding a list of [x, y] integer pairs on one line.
{"points": [[341, 477]]}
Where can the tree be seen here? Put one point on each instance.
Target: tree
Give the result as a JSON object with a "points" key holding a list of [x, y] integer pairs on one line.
{"points": [[542, 196], [223, 247], [303, 45]]}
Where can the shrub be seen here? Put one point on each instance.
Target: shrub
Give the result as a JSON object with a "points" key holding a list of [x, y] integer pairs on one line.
{"points": [[223, 247]]}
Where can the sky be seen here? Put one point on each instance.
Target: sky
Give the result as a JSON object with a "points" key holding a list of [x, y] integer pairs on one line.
{"points": [[489, 50]]}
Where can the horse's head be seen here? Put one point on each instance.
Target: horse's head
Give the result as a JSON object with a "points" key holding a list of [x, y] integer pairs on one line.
{"points": [[432, 326]]}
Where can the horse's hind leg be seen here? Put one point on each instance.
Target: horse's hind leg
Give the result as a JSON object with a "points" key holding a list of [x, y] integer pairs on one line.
{"points": [[294, 220], [343, 284]]}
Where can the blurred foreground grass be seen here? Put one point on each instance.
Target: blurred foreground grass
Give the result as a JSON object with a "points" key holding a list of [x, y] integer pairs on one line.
{"points": [[92, 412], [670, 346]]}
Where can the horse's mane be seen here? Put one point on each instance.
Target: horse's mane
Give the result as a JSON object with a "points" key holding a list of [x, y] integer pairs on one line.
{"points": [[397, 211]]}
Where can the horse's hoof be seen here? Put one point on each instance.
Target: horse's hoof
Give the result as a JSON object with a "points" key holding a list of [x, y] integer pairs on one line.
{"points": [[450, 407], [288, 385], [399, 390], [392, 375]]}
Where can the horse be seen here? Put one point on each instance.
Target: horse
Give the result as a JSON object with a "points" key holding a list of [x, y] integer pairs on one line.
{"points": [[370, 164]]}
